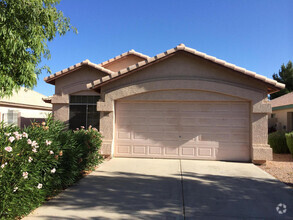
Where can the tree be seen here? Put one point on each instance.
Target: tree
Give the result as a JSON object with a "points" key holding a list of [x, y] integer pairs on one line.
{"points": [[284, 76], [25, 28]]}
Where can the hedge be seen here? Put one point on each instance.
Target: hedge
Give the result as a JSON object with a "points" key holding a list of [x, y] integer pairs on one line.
{"points": [[289, 139], [41, 160], [277, 141]]}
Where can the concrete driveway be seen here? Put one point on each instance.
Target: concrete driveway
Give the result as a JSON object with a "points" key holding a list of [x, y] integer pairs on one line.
{"points": [[124, 188]]}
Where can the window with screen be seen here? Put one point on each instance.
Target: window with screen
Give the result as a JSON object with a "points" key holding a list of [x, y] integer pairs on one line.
{"points": [[82, 112]]}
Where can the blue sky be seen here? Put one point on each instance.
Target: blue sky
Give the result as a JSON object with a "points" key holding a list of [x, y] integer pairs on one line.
{"points": [[253, 34]]}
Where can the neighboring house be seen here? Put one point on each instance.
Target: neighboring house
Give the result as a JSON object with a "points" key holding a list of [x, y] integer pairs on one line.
{"points": [[23, 107], [282, 113], [178, 104]]}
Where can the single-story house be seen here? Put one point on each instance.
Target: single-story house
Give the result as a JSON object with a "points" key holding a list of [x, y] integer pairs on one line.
{"points": [[282, 113], [23, 107], [178, 104]]}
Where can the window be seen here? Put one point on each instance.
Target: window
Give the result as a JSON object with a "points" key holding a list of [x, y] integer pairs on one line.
{"points": [[82, 111], [11, 117], [273, 115]]}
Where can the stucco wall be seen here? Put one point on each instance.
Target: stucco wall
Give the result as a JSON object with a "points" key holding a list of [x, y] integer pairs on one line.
{"points": [[188, 77], [72, 84], [282, 119]]}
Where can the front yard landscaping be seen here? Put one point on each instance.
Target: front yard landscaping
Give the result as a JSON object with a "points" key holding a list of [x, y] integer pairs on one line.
{"points": [[280, 167], [41, 160]]}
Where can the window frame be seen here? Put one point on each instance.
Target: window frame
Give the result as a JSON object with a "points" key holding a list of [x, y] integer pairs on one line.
{"points": [[86, 104]]}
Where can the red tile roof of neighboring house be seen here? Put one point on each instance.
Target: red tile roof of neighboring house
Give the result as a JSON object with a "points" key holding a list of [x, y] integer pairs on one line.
{"points": [[283, 100], [181, 47]]}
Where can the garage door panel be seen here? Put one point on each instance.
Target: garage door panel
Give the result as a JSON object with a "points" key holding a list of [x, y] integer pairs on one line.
{"points": [[205, 152], [139, 149], [197, 130], [171, 151], [155, 151], [124, 135], [124, 149]]}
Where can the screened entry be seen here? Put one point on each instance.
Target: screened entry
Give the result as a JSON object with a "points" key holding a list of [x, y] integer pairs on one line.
{"points": [[83, 112]]}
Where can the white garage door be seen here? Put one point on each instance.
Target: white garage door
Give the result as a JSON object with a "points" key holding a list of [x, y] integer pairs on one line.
{"points": [[192, 130]]}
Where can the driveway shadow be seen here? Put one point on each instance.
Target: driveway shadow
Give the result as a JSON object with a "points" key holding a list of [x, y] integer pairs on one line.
{"points": [[213, 196], [123, 195]]}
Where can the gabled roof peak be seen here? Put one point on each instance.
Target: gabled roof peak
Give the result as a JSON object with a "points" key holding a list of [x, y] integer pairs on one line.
{"points": [[130, 52], [51, 79]]}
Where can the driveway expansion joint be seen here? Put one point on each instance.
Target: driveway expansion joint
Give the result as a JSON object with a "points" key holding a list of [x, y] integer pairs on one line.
{"points": [[182, 189]]}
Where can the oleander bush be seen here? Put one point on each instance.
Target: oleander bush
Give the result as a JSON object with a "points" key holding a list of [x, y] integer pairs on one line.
{"points": [[289, 139], [277, 141], [39, 161]]}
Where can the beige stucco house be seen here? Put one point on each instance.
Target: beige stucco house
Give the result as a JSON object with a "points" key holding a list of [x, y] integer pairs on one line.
{"points": [[282, 112], [178, 104], [23, 107]]}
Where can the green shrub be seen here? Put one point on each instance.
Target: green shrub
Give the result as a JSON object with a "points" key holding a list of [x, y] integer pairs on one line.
{"points": [[277, 141], [289, 139], [39, 161]]}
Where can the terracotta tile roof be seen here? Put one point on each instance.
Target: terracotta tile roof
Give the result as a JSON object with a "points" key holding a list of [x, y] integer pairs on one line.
{"points": [[283, 100], [51, 79], [182, 47], [130, 52]]}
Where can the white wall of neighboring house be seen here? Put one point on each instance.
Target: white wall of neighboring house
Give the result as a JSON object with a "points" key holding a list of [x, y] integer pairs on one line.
{"points": [[24, 106], [282, 119], [21, 112]]}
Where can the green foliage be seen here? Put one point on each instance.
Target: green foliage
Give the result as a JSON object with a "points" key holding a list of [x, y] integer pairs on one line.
{"points": [[25, 28], [277, 141], [289, 139], [284, 76], [41, 160]]}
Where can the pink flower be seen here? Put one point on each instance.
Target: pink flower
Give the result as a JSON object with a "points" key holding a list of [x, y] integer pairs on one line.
{"points": [[11, 139], [3, 165], [34, 143], [8, 149], [82, 127], [48, 142], [34, 150], [7, 134], [16, 133], [53, 170], [51, 152], [25, 135], [25, 175], [40, 186], [29, 141], [18, 136], [30, 159]]}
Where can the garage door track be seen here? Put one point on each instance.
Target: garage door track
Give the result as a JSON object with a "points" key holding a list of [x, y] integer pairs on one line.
{"points": [[124, 188]]}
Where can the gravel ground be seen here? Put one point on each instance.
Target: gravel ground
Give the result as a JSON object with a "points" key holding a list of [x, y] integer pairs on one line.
{"points": [[280, 167]]}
